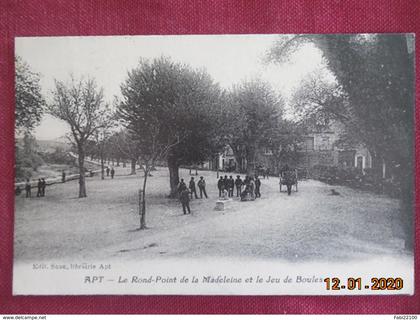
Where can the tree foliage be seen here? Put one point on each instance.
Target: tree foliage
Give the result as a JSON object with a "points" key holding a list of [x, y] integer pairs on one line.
{"points": [[317, 101], [376, 73], [252, 118], [125, 144], [28, 159], [171, 111], [29, 100]]}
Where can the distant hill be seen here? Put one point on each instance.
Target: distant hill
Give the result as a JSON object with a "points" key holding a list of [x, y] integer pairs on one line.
{"points": [[50, 145]]}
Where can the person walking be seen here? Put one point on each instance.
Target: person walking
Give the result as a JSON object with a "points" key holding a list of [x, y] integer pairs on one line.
{"points": [[63, 176], [257, 187], [238, 184], [44, 184], [39, 186], [107, 171], [231, 186], [192, 188], [112, 173], [202, 186], [220, 186], [185, 200], [28, 188]]}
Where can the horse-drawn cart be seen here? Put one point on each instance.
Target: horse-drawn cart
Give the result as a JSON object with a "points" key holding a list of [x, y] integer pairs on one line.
{"points": [[289, 178]]}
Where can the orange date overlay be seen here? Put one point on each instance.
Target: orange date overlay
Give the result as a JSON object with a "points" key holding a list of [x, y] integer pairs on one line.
{"points": [[356, 284]]}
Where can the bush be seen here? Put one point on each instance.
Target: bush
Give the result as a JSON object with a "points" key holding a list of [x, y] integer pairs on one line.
{"points": [[59, 156], [370, 179], [26, 163]]}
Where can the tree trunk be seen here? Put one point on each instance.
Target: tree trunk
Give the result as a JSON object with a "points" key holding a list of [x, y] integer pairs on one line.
{"points": [[133, 166], [173, 177], [82, 183], [102, 166], [238, 158], [250, 159], [143, 201]]}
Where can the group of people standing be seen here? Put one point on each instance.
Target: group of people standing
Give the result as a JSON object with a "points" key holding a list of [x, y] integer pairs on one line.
{"points": [[185, 193], [41, 185], [110, 171], [251, 185]]}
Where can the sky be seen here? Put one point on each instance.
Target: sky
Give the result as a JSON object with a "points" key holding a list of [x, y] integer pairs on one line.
{"points": [[229, 59]]}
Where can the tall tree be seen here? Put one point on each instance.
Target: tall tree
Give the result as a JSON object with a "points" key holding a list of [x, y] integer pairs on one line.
{"points": [[284, 142], [102, 143], [28, 112], [29, 100], [317, 101], [252, 113], [376, 74], [124, 142], [81, 105], [179, 102]]}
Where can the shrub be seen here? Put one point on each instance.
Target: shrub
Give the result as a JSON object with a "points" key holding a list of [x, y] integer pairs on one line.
{"points": [[370, 179]]}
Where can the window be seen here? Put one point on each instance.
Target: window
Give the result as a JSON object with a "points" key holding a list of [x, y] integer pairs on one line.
{"points": [[324, 143], [309, 143], [359, 162], [268, 152]]}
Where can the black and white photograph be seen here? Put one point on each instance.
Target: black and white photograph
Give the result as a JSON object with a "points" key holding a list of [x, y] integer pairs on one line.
{"points": [[214, 165]]}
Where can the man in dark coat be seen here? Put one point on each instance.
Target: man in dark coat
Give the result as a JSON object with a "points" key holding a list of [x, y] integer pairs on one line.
{"points": [[290, 179], [231, 185], [202, 186], [107, 171], [221, 186], [112, 173], [284, 169], [192, 188], [39, 191], [185, 200], [18, 191], [226, 184], [238, 184], [257, 187], [28, 188], [181, 186]]}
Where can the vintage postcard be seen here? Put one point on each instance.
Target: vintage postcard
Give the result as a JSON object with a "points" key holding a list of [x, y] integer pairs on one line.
{"points": [[214, 165]]}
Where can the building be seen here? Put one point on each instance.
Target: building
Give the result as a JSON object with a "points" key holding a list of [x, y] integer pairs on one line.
{"points": [[322, 148], [318, 148], [224, 161]]}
